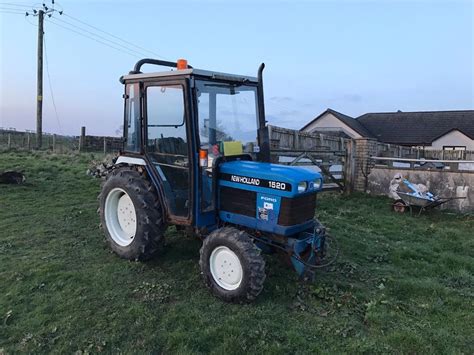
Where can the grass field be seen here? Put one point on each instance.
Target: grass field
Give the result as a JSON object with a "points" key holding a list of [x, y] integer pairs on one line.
{"points": [[401, 284]]}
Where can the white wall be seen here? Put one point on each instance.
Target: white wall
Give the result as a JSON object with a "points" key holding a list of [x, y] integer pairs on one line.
{"points": [[439, 182], [330, 122], [453, 138]]}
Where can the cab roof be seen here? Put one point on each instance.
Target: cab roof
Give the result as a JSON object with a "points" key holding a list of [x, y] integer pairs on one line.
{"points": [[189, 72]]}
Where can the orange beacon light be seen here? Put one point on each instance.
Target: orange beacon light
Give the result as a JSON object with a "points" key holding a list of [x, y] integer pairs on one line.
{"points": [[182, 64]]}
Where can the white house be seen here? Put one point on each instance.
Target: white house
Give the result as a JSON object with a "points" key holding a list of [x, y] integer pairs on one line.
{"points": [[429, 129]]}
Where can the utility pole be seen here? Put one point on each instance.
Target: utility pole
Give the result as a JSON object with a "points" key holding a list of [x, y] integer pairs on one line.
{"points": [[41, 12], [39, 88]]}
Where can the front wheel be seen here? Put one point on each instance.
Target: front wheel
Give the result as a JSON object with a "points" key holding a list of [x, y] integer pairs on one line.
{"points": [[231, 265]]}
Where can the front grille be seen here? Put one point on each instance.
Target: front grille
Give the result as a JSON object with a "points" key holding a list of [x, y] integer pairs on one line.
{"points": [[297, 210], [238, 201]]}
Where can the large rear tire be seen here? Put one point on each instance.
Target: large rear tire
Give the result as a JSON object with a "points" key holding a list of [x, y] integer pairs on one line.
{"points": [[232, 266], [131, 215]]}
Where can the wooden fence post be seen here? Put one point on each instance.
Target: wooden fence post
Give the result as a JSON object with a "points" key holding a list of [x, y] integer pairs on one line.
{"points": [[296, 140], [28, 141], [348, 167], [54, 143], [105, 145], [9, 140], [82, 139]]}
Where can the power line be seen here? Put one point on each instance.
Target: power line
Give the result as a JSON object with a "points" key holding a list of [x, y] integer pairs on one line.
{"points": [[51, 86], [114, 36], [92, 38], [12, 12], [44, 12], [80, 31], [15, 5], [101, 37], [10, 8], [27, 19]]}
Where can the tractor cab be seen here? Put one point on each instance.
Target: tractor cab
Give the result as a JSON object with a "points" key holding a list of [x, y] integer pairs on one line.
{"points": [[196, 155], [182, 123]]}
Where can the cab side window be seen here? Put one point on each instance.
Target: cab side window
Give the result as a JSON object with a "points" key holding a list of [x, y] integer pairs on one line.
{"points": [[166, 126], [167, 143], [132, 118]]}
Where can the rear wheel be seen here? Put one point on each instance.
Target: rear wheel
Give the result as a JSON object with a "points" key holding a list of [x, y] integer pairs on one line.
{"points": [[232, 266], [131, 215]]}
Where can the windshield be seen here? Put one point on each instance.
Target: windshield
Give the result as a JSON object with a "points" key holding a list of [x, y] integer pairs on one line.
{"points": [[227, 113]]}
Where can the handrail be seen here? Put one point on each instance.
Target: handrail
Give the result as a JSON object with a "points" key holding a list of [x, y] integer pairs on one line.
{"points": [[164, 63], [422, 160]]}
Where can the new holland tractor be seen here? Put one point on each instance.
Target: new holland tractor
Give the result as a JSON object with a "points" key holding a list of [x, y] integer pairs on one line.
{"points": [[196, 155]]}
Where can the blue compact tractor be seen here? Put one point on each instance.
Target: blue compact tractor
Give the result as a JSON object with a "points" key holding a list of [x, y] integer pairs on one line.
{"points": [[196, 155]]}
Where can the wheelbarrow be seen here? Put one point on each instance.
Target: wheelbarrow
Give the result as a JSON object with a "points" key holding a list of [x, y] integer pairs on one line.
{"points": [[424, 201]]}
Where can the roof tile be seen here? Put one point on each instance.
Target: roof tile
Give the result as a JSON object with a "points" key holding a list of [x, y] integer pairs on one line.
{"points": [[417, 128]]}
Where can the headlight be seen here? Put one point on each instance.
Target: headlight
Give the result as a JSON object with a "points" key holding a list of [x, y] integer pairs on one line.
{"points": [[317, 183], [302, 186]]}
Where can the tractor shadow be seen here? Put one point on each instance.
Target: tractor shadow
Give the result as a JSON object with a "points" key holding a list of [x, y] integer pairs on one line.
{"points": [[283, 287], [179, 248]]}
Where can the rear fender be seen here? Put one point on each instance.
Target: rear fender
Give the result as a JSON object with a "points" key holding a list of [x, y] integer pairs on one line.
{"points": [[133, 161], [130, 160]]}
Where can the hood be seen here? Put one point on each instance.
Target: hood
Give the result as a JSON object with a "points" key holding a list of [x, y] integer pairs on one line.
{"points": [[268, 173]]}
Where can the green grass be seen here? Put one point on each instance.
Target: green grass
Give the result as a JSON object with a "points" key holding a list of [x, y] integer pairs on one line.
{"points": [[401, 284]]}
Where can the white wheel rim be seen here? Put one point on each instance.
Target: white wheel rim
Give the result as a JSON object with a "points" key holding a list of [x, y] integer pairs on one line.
{"points": [[120, 217], [226, 268]]}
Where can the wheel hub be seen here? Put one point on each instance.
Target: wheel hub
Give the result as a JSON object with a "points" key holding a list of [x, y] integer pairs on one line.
{"points": [[120, 217], [226, 268], [126, 215]]}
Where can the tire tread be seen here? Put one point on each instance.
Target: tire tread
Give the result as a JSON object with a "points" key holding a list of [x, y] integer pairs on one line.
{"points": [[240, 242], [148, 208]]}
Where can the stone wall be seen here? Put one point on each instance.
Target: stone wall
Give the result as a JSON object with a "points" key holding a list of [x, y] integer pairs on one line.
{"points": [[99, 143], [440, 183], [363, 149]]}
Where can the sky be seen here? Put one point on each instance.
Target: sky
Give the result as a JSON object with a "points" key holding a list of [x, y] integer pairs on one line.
{"points": [[351, 56]]}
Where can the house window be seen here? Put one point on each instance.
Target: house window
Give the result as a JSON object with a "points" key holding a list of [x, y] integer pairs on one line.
{"points": [[454, 147]]}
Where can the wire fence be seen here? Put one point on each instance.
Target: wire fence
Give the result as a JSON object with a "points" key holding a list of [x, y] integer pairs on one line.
{"points": [[16, 140]]}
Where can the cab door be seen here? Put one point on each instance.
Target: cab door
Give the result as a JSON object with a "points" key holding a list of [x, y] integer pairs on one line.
{"points": [[168, 144]]}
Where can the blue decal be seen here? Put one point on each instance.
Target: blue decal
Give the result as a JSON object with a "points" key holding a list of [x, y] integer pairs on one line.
{"points": [[268, 208]]}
